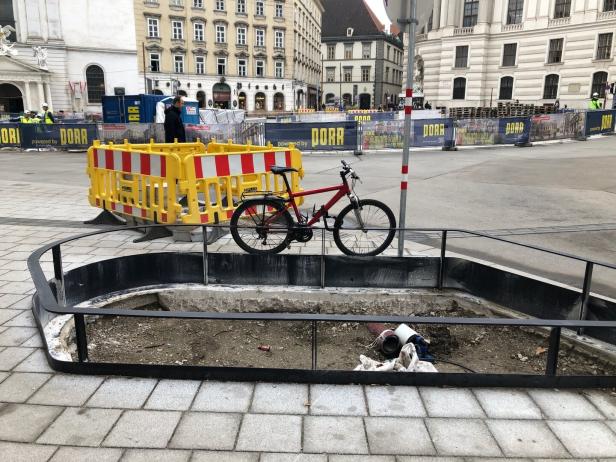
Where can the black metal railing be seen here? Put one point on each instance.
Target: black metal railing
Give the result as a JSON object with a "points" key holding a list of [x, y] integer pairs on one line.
{"points": [[52, 298]]}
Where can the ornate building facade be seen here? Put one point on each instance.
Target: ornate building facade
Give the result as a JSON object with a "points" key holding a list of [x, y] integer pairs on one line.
{"points": [[477, 52]]}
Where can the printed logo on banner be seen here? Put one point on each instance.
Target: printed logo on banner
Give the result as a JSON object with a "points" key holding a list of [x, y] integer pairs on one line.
{"points": [[70, 136], [314, 136], [10, 135], [600, 122], [514, 130]]}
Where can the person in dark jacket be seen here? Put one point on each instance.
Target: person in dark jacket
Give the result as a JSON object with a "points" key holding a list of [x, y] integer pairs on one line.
{"points": [[174, 127]]}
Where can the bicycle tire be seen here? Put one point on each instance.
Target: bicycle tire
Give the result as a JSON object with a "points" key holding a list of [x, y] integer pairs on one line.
{"points": [[263, 207], [370, 251]]}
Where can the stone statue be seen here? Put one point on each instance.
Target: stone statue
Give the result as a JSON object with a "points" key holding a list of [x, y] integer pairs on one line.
{"points": [[6, 47], [418, 78], [40, 54]]}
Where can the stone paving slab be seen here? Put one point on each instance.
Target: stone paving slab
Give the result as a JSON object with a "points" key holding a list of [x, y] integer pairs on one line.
{"points": [[529, 438], [344, 435], [124, 393], [586, 439], [201, 430], [25, 422], [224, 397], [68, 454], [80, 427], [173, 395], [67, 390], [280, 398], [270, 433], [143, 429], [507, 404], [565, 405], [337, 400], [156, 455], [398, 436], [26, 452]]}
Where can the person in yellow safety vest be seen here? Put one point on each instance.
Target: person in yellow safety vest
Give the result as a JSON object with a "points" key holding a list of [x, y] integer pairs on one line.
{"points": [[594, 103], [25, 119], [47, 116], [35, 119]]}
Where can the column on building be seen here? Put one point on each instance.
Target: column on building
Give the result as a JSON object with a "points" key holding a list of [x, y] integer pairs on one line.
{"points": [[452, 17], [436, 15], [485, 8], [47, 92], [27, 97], [41, 95], [444, 11]]}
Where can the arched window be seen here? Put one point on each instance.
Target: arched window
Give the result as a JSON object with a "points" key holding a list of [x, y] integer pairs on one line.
{"points": [[347, 99], [599, 82], [201, 99], [260, 102], [182, 93], [330, 98], [459, 88], [241, 99], [550, 89], [506, 88], [279, 102], [95, 79]]}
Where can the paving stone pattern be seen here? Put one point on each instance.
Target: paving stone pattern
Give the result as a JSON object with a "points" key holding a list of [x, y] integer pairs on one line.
{"points": [[47, 416]]}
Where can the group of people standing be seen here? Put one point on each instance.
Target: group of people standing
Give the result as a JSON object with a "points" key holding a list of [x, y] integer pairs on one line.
{"points": [[32, 117]]}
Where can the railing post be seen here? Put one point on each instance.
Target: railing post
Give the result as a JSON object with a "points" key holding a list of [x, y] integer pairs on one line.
{"points": [[441, 266], [81, 337], [314, 345], [585, 294], [206, 278], [58, 274], [553, 348], [322, 258]]}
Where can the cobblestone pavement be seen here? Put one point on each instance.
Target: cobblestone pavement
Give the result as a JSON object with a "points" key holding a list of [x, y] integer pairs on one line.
{"points": [[45, 416]]}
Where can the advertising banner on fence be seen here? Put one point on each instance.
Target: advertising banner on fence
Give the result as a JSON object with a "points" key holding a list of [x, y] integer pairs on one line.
{"points": [[371, 117], [390, 134], [10, 135], [134, 133], [547, 127], [600, 122], [60, 136], [476, 132], [332, 136], [513, 130]]}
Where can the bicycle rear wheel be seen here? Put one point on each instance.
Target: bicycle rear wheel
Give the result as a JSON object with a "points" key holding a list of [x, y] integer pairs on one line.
{"points": [[262, 226], [376, 234]]}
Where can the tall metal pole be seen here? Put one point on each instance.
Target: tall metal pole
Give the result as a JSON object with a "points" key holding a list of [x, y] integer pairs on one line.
{"points": [[408, 110], [145, 78]]}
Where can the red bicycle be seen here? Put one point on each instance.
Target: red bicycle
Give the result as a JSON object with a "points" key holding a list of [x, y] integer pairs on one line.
{"points": [[365, 227]]}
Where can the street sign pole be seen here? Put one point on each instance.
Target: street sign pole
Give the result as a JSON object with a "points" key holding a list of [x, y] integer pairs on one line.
{"points": [[408, 109]]}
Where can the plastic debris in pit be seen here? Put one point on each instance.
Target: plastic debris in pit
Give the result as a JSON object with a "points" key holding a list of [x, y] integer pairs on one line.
{"points": [[407, 361]]}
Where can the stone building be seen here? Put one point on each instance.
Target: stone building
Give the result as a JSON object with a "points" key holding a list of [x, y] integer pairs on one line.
{"points": [[67, 53], [233, 54], [474, 52], [362, 64]]}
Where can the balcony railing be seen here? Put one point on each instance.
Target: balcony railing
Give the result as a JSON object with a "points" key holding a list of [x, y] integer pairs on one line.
{"points": [[556, 22], [463, 30], [512, 27]]}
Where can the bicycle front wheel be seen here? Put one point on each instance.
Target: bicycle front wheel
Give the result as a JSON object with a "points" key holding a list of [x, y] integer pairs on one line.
{"points": [[366, 229], [262, 226]]}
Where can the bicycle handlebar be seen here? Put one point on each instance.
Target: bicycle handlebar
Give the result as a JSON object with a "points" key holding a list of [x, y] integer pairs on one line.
{"points": [[347, 169]]}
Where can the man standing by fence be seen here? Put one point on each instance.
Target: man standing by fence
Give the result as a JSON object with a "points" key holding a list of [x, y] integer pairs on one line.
{"points": [[174, 127], [46, 116], [594, 103]]}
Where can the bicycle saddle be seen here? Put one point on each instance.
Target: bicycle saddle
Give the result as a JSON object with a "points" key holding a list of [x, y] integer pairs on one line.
{"points": [[280, 170]]}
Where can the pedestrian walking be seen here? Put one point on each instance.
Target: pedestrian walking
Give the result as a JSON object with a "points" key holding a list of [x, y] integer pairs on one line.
{"points": [[174, 127], [594, 103]]}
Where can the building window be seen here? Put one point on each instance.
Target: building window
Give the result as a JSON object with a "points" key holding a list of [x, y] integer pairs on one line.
{"points": [[555, 54], [562, 9], [178, 3], [459, 88], [609, 5], [260, 102], [365, 50], [177, 30], [388, 52], [279, 69], [241, 6], [221, 33], [331, 51], [241, 36], [260, 37], [153, 29], [279, 10], [260, 68], [461, 56], [365, 73], [220, 5], [199, 29], [241, 67], [506, 88], [550, 89], [95, 80], [200, 64], [197, 3], [279, 102], [471, 12], [154, 62], [260, 8], [510, 51], [514, 11], [279, 39], [599, 83], [386, 74], [348, 51], [604, 46], [347, 74], [178, 64], [330, 74], [221, 66]]}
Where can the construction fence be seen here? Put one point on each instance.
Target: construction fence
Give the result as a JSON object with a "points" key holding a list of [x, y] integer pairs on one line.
{"points": [[353, 132]]}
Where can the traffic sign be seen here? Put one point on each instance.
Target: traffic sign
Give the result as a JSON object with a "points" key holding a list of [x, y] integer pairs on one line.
{"points": [[400, 10]]}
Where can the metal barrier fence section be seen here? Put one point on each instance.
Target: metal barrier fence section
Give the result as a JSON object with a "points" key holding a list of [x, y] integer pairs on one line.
{"points": [[309, 132]]}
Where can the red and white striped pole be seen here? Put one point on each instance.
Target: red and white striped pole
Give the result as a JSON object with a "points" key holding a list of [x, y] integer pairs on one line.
{"points": [[408, 111]]}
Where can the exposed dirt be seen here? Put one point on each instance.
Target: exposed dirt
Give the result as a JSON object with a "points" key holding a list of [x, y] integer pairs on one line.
{"points": [[225, 343]]}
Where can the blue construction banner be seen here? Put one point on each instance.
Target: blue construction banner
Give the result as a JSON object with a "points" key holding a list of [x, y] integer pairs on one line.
{"points": [[433, 132], [360, 117], [315, 136], [514, 130], [390, 134], [600, 122], [60, 136], [10, 135]]}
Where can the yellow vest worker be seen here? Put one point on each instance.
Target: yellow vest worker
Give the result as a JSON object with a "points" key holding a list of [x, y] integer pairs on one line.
{"points": [[594, 103], [46, 115], [25, 119]]}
